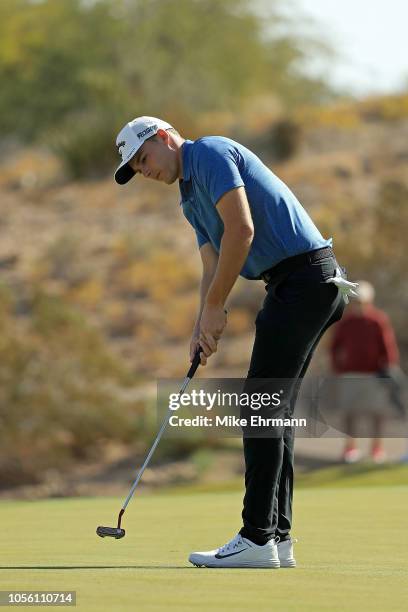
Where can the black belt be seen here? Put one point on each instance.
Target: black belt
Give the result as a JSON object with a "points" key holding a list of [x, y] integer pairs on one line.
{"points": [[290, 264]]}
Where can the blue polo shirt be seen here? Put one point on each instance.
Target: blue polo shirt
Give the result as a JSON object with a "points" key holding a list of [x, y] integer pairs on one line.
{"points": [[214, 165]]}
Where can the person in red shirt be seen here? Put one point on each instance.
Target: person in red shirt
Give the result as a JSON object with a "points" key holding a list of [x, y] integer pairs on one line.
{"points": [[363, 342]]}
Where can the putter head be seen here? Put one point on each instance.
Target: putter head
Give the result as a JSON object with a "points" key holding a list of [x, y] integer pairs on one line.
{"points": [[110, 532]]}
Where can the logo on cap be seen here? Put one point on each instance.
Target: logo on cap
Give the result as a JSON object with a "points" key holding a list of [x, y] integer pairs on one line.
{"points": [[149, 129], [120, 145]]}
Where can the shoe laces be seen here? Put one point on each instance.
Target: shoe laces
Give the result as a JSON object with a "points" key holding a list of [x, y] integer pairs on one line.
{"points": [[233, 544]]}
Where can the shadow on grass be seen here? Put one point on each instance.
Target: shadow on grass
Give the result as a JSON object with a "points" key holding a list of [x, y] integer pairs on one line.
{"points": [[94, 567]]}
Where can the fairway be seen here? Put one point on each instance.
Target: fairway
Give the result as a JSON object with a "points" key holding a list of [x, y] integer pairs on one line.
{"points": [[352, 553]]}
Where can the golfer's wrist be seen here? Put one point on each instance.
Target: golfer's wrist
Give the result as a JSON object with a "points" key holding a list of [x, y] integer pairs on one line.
{"points": [[215, 298], [214, 302], [196, 328]]}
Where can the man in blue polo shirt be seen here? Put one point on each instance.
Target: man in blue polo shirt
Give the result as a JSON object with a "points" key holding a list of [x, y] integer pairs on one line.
{"points": [[248, 223]]}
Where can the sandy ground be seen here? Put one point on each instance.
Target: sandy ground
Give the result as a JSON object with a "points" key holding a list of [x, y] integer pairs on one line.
{"points": [[206, 466]]}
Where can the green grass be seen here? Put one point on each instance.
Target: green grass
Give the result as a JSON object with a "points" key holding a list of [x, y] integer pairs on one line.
{"points": [[357, 475], [352, 553], [362, 474]]}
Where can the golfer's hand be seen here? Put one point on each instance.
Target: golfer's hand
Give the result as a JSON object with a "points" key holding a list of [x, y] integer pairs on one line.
{"points": [[194, 346], [212, 324]]}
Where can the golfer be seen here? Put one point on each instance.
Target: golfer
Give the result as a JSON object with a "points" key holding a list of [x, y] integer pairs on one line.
{"points": [[248, 223]]}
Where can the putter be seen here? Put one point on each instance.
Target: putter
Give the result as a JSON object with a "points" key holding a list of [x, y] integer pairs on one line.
{"points": [[117, 532]]}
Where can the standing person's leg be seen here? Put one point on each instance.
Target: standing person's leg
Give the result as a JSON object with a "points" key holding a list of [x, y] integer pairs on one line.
{"points": [[351, 453], [288, 327], [378, 454]]}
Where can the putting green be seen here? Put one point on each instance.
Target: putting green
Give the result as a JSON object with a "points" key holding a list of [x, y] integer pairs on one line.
{"points": [[352, 554]]}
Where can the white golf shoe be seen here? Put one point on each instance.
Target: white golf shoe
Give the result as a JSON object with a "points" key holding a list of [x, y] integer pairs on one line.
{"points": [[285, 552], [239, 552]]}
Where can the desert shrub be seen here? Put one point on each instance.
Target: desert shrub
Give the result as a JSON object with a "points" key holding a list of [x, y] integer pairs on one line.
{"points": [[62, 260], [179, 316], [340, 116], [60, 391], [285, 139], [85, 144], [64, 395], [391, 222], [240, 321], [87, 293], [6, 301], [385, 108], [72, 66], [159, 276], [128, 247]]}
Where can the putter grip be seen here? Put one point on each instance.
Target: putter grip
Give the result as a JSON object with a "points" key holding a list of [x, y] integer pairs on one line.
{"points": [[195, 363]]}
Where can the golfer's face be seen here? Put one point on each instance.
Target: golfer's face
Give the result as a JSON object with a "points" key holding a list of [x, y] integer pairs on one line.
{"points": [[156, 160]]}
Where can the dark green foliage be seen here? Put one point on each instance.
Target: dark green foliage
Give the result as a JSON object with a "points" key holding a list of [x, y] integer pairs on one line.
{"points": [[285, 139], [73, 71]]}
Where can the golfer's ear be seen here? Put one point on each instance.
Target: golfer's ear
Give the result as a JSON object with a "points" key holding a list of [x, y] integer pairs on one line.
{"points": [[163, 135]]}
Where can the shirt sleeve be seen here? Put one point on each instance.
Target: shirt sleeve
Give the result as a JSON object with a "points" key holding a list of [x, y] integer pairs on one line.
{"points": [[200, 231], [202, 238], [389, 354], [216, 169]]}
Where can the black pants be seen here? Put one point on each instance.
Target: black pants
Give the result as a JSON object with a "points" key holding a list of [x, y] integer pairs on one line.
{"points": [[296, 312]]}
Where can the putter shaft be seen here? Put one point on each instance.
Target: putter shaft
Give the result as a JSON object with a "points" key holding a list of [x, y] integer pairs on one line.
{"points": [[158, 437], [118, 532]]}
